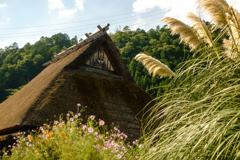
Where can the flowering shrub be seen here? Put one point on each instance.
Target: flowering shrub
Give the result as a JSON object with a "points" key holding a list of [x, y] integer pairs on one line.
{"points": [[73, 140]]}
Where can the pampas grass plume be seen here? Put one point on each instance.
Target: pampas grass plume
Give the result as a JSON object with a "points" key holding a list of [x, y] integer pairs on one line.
{"points": [[225, 5], [229, 53], [216, 11], [201, 28], [185, 32], [154, 66], [236, 16]]}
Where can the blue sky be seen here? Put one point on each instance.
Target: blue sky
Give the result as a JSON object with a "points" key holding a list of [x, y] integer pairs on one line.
{"points": [[25, 21]]}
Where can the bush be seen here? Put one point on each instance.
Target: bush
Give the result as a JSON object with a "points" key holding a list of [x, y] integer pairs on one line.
{"points": [[72, 140]]}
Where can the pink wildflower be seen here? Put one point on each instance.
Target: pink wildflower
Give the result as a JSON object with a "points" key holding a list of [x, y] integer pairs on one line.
{"points": [[107, 144], [90, 130], [79, 105], [68, 115], [118, 156], [79, 114], [101, 123], [92, 117], [84, 127]]}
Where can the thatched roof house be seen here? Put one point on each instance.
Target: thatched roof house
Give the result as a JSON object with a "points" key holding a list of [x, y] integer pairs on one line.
{"points": [[92, 73]]}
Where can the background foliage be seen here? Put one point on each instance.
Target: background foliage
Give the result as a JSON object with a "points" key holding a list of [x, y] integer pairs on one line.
{"points": [[19, 65]]}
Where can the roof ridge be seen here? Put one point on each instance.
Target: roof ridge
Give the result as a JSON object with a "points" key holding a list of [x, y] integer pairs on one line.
{"points": [[76, 46]]}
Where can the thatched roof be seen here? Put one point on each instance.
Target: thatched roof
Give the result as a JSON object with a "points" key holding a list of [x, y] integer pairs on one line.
{"points": [[112, 96]]}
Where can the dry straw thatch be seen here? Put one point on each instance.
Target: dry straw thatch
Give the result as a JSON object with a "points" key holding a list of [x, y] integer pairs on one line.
{"points": [[154, 66]]}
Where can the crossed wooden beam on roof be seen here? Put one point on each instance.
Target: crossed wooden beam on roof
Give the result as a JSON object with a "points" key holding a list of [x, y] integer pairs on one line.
{"points": [[77, 45]]}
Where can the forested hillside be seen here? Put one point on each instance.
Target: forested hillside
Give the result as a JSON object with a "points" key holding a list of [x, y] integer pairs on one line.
{"points": [[19, 65], [157, 43]]}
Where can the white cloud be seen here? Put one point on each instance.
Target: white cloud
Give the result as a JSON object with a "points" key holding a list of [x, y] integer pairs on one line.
{"points": [[171, 8], [140, 23], [145, 5], [174, 8], [67, 13], [5, 43], [3, 5], [55, 4], [8, 20], [79, 4]]}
